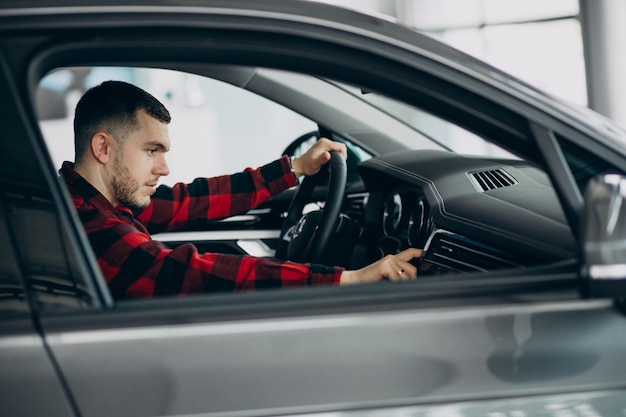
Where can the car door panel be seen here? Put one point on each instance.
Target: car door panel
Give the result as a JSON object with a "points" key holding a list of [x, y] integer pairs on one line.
{"points": [[27, 369], [332, 362]]}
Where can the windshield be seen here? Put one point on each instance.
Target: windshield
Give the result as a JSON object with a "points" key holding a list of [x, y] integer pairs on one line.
{"points": [[440, 131]]}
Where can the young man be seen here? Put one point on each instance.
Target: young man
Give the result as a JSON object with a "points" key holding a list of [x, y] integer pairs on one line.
{"points": [[121, 139]]}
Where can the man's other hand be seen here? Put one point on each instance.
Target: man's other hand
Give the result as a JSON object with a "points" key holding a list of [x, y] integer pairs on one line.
{"points": [[312, 160], [393, 267]]}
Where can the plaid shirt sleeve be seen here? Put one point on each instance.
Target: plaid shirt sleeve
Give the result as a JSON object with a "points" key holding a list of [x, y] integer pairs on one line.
{"points": [[135, 266], [206, 199]]}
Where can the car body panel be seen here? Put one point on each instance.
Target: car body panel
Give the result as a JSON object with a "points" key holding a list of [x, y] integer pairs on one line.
{"points": [[332, 362], [587, 403], [26, 369]]}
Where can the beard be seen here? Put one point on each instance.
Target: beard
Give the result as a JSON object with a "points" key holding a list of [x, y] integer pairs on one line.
{"points": [[126, 188]]}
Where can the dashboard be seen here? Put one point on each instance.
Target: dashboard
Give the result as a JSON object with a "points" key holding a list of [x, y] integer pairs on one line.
{"points": [[468, 213]]}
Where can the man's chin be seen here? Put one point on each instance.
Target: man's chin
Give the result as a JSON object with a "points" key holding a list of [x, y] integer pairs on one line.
{"points": [[137, 205]]}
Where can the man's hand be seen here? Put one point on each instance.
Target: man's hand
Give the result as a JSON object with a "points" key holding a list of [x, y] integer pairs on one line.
{"points": [[393, 267], [312, 160]]}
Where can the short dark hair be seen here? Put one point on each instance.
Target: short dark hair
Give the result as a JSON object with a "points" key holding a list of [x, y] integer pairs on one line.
{"points": [[112, 106]]}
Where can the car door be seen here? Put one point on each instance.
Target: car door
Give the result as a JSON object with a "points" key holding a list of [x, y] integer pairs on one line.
{"points": [[282, 353]]}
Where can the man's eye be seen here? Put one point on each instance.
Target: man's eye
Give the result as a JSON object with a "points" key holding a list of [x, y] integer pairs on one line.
{"points": [[152, 151]]}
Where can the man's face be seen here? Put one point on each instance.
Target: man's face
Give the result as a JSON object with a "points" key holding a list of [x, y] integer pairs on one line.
{"points": [[139, 163]]}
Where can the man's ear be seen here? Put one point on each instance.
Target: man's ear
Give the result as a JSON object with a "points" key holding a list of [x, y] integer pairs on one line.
{"points": [[101, 147]]}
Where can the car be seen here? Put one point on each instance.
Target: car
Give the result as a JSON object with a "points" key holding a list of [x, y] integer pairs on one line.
{"points": [[516, 198]]}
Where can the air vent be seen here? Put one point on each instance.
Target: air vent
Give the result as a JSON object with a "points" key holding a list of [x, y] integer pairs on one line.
{"points": [[452, 252], [491, 179], [354, 205]]}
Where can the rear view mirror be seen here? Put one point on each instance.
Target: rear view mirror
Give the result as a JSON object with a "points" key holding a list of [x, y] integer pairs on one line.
{"points": [[604, 236]]}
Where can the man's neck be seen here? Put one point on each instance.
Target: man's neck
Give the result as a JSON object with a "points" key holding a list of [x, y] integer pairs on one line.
{"points": [[94, 175]]}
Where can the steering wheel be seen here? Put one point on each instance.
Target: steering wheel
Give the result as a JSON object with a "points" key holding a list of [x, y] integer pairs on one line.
{"points": [[305, 237]]}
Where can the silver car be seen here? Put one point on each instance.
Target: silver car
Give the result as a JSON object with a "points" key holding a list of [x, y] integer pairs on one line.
{"points": [[516, 198]]}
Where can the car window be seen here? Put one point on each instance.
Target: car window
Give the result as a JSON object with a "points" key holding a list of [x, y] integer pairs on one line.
{"points": [[583, 165], [221, 127], [40, 247], [216, 128], [446, 134]]}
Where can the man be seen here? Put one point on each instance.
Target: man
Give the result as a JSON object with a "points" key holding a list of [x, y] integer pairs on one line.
{"points": [[121, 139]]}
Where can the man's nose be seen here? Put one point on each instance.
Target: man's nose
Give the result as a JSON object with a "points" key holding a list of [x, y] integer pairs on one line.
{"points": [[162, 168]]}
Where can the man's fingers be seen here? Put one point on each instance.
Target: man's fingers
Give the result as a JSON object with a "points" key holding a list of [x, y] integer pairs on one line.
{"points": [[395, 269], [329, 145], [341, 148], [410, 253], [406, 271], [319, 154]]}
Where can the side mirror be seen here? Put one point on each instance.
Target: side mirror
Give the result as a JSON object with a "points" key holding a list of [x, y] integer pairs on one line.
{"points": [[604, 237]]}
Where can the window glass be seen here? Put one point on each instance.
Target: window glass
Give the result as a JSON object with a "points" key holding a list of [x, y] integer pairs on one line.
{"points": [[449, 135], [583, 165], [41, 246], [216, 128], [33, 248]]}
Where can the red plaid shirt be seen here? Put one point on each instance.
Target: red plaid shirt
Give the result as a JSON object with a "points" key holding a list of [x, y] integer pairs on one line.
{"points": [[135, 266]]}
